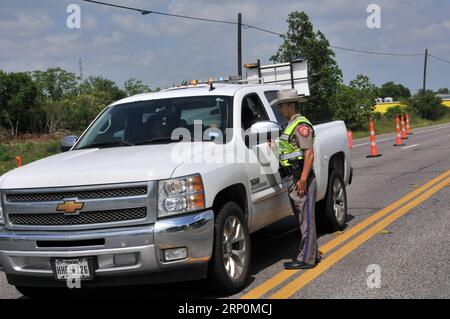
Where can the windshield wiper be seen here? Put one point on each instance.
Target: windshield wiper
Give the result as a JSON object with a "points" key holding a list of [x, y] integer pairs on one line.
{"points": [[106, 144], [155, 140]]}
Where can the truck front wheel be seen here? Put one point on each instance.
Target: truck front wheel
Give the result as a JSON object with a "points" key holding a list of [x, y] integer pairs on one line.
{"points": [[332, 210], [230, 263]]}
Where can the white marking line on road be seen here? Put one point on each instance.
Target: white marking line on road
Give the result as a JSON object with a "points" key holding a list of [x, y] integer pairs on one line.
{"points": [[382, 140], [393, 138], [411, 146]]}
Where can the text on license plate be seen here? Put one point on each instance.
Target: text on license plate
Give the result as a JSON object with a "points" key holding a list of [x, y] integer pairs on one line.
{"points": [[72, 268]]}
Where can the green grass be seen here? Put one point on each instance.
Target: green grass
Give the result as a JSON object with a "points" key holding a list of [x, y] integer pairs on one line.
{"points": [[29, 151], [385, 125]]}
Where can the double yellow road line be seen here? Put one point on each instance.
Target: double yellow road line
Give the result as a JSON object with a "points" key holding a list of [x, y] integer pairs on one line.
{"points": [[387, 215]]}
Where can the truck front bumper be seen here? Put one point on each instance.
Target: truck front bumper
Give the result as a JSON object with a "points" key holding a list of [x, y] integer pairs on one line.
{"points": [[122, 256]]}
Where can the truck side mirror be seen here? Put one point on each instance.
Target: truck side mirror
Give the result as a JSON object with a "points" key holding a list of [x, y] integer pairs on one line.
{"points": [[68, 142], [261, 132]]}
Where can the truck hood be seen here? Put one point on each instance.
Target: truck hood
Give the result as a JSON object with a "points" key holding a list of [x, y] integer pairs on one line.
{"points": [[95, 167]]}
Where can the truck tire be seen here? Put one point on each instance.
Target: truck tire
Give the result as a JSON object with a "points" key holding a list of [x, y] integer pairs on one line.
{"points": [[332, 210], [230, 262]]}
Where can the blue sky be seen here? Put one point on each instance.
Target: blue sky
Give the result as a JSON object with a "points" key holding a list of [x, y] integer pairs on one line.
{"points": [[161, 50]]}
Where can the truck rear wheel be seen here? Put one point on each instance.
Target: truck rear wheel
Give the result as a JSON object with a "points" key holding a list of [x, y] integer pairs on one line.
{"points": [[332, 212], [230, 263]]}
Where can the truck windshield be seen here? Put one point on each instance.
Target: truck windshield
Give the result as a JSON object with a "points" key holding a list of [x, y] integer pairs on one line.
{"points": [[153, 121]]}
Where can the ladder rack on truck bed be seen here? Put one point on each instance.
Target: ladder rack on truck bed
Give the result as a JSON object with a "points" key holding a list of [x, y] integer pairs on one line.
{"points": [[289, 75]]}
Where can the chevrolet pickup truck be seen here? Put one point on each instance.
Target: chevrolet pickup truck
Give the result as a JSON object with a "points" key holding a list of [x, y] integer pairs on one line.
{"points": [[130, 202]]}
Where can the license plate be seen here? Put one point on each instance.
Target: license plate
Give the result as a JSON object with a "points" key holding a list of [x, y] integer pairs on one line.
{"points": [[77, 268]]}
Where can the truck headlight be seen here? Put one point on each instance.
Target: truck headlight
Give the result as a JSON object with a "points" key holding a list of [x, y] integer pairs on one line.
{"points": [[180, 195]]}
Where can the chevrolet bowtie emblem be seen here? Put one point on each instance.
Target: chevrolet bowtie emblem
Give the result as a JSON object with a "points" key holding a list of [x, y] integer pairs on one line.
{"points": [[70, 207]]}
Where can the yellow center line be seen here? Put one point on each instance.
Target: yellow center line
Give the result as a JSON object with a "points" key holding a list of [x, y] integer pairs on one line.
{"points": [[282, 276], [294, 286]]}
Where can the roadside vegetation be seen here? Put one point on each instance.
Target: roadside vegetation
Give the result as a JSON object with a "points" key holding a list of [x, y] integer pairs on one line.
{"points": [[29, 148], [35, 107], [424, 109], [385, 124]]}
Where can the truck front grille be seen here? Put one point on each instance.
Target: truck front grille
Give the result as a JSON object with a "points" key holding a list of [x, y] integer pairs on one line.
{"points": [[84, 218], [81, 195], [103, 206]]}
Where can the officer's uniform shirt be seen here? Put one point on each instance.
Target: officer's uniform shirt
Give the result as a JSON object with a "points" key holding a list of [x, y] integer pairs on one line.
{"points": [[302, 137]]}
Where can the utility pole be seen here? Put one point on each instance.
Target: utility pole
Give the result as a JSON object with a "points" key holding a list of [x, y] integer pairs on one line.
{"points": [[80, 65], [425, 72], [239, 45]]}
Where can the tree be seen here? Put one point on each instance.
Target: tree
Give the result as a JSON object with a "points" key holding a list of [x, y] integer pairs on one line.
{"points": [[366, 91], [18, 96], [65, 104], [55, 87], [443, 91], [56, 83], [3, 89], [106, 91], [51, 100], [427, 105], [354, 103], [396, 91], [134, 86], [393, 111], [82, 110], [324, 73]]}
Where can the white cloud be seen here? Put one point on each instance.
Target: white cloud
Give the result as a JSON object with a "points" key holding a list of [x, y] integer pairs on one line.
{"points": [[89, 22], [162, 50], [104, 40], [146, 59], [26, 24], [446, 24], [62, 42], [131, 24]]}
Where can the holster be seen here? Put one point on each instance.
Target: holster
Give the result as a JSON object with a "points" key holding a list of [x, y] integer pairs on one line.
{"points": [[295, 170]]}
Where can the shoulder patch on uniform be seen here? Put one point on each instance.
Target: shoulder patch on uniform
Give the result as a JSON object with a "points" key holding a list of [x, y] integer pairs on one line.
{"points": [[304, 130]]}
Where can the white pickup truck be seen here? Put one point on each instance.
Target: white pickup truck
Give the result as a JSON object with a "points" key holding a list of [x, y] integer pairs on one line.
{"points": [[128, 203]]}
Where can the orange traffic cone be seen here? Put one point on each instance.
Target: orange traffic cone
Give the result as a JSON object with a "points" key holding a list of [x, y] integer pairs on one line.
{"points": [[399, 134], [19, 161], [408, 126], [404, 137], [350, 139], [373, 143]]}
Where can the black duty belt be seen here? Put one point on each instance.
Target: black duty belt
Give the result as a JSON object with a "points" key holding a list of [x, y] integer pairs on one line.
{"points": [[296, 168]]}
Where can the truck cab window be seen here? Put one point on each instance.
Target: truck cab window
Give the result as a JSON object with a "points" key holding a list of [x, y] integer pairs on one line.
{"points": [[271, 97], [252, 111]]}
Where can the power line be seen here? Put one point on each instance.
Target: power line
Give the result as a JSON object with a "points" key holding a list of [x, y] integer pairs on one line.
{"points": [[375, 52], [119, 6], [440, 59], [249, 26], [246, 26], [145, 12]]}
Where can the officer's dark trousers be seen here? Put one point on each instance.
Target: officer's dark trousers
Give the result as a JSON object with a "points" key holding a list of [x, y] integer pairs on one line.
{"points": [[304, 210]]}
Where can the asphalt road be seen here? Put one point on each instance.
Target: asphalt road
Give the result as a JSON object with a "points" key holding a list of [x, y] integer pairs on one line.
{"points": [[404, 245]]}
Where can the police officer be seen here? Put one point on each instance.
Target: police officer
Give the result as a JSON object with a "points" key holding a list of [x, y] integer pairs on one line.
{"points": [[296, 156]]}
